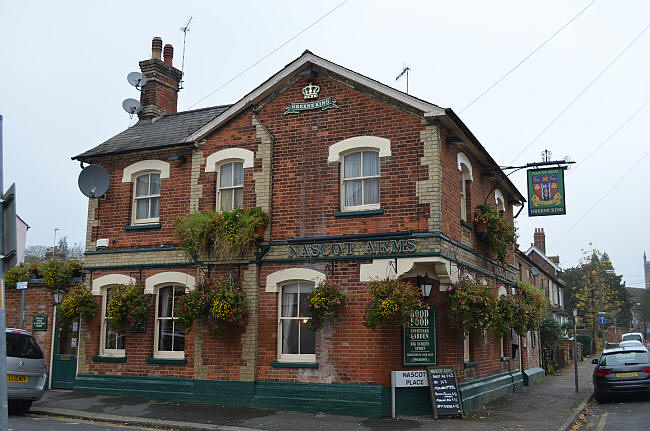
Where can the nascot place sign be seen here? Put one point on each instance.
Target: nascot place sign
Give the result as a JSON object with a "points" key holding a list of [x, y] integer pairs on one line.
{"points": [[372, 248]]}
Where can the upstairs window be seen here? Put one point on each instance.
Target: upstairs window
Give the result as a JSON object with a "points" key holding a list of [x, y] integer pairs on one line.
{"points": [[465, 168], [146, 201], [361, 180], [230, 193]]}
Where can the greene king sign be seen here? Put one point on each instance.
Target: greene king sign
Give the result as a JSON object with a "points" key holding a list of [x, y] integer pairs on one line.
{"points": [[546, 194]]}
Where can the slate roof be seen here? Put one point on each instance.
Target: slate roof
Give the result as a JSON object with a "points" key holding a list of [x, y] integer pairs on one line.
{"points": [[165, 131]]}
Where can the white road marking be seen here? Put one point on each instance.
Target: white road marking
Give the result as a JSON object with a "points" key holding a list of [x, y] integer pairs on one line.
{"points": [[603, 421]]}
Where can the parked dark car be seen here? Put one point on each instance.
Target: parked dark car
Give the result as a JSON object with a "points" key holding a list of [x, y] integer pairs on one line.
{"points": [[26, 375], [619, 371]]}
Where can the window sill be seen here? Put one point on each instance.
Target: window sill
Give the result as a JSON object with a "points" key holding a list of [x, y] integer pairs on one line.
{"points": [[505, 358], [152, 360], [279, 364], [470, 364], [358, 213], [466, 224], [98, 358], [143, 226]]}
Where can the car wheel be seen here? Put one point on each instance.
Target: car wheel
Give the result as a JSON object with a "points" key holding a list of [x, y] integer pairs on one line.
{"points": [[19, 407], [601, 399]]}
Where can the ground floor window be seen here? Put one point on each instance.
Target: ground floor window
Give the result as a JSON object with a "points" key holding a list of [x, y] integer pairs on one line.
{"points": [[112, 341], [297, 342], [170, 339]]}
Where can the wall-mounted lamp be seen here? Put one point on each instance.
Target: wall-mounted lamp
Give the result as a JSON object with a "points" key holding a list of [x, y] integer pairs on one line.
{"points": [[426, 284], [58, 296]]}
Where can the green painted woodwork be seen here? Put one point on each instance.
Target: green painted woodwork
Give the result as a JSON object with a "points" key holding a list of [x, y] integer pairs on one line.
{"points": [[334, 398], [470, 364], [143, 266], [278, 364], [152, 360], [358, 213], [143, 226], [131, 250], [97, 358]]}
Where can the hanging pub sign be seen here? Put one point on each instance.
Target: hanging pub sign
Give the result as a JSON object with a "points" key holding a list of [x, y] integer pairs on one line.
{"points": [[546, 194], [311, 92]]}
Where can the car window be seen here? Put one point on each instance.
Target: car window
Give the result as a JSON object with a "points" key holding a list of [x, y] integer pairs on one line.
{"points": [[23, 346], [632, 337], [622, 358]]}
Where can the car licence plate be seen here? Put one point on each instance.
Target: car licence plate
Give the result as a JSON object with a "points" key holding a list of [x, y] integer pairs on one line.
{"points": [[18, 379], [619, 375]]}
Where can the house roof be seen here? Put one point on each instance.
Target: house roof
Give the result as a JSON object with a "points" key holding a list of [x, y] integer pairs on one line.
{"points": [[534, 249], [168, 130], [192, 126]]}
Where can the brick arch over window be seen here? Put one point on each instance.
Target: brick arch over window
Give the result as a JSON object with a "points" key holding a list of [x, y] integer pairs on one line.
{"points": [[277, 278], [214, 159], [109, 279], [129, 173], [464, 160], [168, 278], [382, 145]]}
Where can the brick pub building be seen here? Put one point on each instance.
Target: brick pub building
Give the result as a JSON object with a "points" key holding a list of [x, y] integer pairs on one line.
{"points": [[360, 181]]}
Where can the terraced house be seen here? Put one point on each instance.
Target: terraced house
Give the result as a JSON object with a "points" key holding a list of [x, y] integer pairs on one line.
{"points": [[359, 182]]}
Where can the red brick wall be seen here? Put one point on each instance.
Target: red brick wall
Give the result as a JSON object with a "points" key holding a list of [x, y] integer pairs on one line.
{"points": [[115, 210], [38, 300], [306, 187]]}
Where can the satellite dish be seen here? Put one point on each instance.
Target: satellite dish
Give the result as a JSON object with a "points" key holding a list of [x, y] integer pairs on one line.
{"points": [[94, 181], [131, 106], [136, 79]]}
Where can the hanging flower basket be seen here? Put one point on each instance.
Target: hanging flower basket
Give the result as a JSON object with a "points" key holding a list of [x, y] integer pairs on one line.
{"points": [[392, 301], [324, 304], [480, 226], [77, 302], [472, 306], [228, 305], [225, 235], [128, 306], [499, 235]]}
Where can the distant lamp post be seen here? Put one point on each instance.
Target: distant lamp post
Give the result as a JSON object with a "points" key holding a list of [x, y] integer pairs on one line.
{"points": [[575, 346], [58, 296], [426, 284]]}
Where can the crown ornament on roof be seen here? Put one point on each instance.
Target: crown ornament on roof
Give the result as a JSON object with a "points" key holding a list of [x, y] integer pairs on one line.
{"points": [[311, 91]]}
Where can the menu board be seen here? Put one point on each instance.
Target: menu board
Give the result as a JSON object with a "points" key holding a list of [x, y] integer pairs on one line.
{"points": [[445, 397]]}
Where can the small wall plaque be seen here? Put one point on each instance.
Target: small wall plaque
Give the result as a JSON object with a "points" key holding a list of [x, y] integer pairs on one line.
{"points": [[39, 323]]}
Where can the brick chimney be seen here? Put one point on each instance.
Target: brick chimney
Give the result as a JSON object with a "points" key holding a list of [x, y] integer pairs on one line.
{"points": [[160, 94], [539, 239]]}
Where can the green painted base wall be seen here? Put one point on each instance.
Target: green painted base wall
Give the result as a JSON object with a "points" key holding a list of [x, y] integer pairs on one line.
{"points": [[533, 375], [355, 400]]}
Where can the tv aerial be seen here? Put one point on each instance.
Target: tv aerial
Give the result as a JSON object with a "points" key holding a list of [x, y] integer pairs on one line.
{"points": [[131, 106], [94, 181], [136, 79]]}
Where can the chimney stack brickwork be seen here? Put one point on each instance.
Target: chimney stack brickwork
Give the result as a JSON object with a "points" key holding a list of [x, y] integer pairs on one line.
{"points": [[539, 239], [160, 94]]}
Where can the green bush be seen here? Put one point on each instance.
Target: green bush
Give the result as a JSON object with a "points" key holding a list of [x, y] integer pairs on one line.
{"points": [[585, 340]]}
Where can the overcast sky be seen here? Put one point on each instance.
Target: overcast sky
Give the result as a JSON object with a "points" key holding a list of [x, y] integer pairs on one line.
{"points": [[64, 66]]}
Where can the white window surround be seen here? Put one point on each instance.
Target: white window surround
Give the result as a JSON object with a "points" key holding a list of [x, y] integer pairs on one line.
{"points": [[214, 159], [464, 160], [129, 173], [337, 150], [168, 278], [109, 279], [363, 179], [278, 278], [500, 201]]}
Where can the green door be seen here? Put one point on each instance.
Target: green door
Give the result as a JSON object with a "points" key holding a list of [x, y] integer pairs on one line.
{"points": [[64, 368]]}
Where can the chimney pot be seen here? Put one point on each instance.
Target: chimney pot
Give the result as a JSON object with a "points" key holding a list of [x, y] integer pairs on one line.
{"points": [[168, 54], [156, 48]]}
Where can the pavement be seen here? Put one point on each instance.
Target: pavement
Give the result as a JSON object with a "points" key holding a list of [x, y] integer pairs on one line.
{"points": [[551, 404]]}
